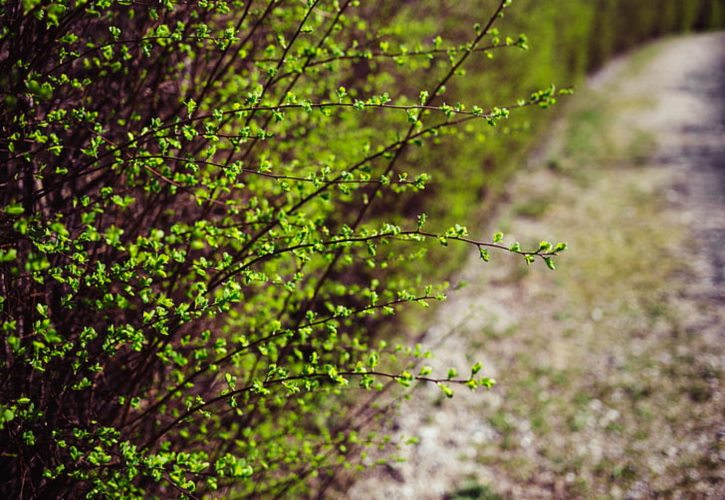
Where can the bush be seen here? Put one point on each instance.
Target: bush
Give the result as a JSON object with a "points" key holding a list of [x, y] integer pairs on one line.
{"points": [[195, 254], [212, 209]]}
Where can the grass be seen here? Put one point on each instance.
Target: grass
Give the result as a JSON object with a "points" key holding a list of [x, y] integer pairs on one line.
{"points": [[474, 491]]}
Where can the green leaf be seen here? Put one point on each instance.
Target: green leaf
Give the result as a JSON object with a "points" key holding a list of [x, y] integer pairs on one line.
{"points": [[487, 382], [544, 246], [484, 254], [14, 209], [7, 415], [446, 390]]}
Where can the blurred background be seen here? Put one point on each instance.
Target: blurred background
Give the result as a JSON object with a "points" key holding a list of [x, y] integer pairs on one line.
{"points": [[610, 369]]}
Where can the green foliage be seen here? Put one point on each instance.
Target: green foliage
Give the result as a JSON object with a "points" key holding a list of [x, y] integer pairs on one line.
{"points": [[196, 252], [211, 209], [473, 491]]}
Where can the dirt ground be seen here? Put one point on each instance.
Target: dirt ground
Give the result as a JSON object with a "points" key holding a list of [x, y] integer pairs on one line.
{"points": [[610, 369]]}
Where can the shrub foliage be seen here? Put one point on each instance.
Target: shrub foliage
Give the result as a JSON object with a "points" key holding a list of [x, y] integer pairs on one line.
{"points": [[208, 211], [195, 246]]}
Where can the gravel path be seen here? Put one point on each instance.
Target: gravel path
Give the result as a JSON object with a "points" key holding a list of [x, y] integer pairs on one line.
{"points": [[611, 368]]}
